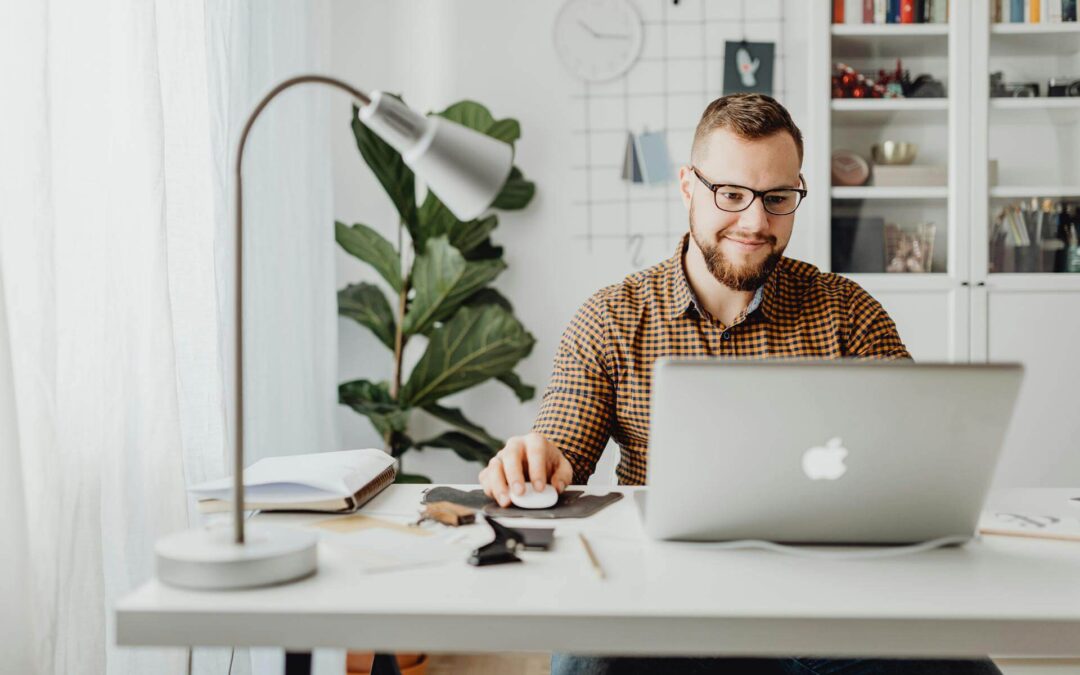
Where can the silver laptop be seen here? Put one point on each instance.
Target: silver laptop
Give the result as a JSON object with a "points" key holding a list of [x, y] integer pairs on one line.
{"points": [[859, 452]]}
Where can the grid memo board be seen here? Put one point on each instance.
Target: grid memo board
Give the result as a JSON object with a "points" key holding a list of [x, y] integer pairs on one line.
{"points": [[680, 70]]}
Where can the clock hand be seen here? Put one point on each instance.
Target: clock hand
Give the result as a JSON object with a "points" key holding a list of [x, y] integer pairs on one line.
{"points": [[587, 27], [603, 36]]}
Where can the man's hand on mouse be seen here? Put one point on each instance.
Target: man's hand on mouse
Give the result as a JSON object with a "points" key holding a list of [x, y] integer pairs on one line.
{"points": [[530, 457]]}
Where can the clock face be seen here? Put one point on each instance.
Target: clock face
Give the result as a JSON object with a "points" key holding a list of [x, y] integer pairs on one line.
{"points": [[598, 39]]}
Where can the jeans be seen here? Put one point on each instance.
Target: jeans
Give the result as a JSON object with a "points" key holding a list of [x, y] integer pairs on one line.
{"points": [[570, 664]]}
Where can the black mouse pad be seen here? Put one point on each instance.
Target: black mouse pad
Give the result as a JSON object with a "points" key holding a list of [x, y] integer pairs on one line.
{"points": [[571, 504]]}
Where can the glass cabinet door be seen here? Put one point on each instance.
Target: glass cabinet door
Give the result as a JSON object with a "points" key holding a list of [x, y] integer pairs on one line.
{"points": [[1033, 148], [890, 149]]}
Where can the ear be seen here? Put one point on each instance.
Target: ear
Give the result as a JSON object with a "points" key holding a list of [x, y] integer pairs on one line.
{"points": [[687, 181]]}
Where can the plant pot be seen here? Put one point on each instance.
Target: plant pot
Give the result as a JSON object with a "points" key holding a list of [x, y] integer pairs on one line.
{"points": [[359, 663]]}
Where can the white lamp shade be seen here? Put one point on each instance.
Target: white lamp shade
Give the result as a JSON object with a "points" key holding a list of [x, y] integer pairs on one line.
{"points": [[463, 167]]}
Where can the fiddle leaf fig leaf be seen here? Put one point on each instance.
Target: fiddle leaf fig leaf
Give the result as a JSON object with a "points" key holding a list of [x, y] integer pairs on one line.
{"points": [[455, 417], [368, 245], [367, 305], [463, 445], [478, 343], [523, 391], [437, 220], [411, 478], [443, 280], [516, 193], [489, 296], [505, 130], [372, 399], [470, 114]]}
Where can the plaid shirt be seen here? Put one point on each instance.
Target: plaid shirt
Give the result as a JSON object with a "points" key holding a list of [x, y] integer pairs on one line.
{"points": [[603, 368]]}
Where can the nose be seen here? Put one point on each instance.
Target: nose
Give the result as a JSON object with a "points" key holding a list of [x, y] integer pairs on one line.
{"points": [[755, 218]]}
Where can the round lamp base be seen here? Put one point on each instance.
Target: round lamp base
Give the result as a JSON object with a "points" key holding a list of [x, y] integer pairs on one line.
{"points": [[209, 559]]}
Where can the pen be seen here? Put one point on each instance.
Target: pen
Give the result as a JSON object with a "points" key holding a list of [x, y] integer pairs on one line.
{"points": [[592, 556]]}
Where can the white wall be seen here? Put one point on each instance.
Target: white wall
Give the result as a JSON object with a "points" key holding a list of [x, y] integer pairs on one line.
{"points": [[500, 53]]}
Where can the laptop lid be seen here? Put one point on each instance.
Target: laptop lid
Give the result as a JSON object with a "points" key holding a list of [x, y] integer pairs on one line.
{"points": [[837, 451]]}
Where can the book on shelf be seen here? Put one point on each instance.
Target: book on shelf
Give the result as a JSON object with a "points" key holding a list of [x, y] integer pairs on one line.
{"points": [[338, 482], [1033, 11], [907, 11], [890, 11]]}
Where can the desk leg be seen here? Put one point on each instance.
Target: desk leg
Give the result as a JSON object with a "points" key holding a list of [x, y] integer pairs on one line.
{"points": [[385, 664], [297, 663]]}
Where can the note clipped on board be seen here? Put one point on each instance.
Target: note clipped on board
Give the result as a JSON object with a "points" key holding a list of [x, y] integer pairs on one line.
{"points": [[646, 159]]}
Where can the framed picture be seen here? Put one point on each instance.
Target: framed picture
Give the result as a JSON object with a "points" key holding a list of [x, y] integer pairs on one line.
{"points": [[748, 67]]}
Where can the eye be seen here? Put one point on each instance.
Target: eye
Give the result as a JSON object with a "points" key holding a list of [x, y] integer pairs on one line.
{"points": [[732, 196], [780, 199]]}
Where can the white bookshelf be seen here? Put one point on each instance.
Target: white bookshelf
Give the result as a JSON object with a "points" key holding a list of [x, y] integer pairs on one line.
{"points": [[856, 124], [966, 313]]}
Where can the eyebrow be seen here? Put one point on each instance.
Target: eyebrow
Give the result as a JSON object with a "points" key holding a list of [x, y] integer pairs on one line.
{"points": [[738, 185], [778, 187]]}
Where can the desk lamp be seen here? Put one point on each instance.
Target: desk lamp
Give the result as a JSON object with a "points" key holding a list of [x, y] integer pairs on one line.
{"points": [[466, 170]]}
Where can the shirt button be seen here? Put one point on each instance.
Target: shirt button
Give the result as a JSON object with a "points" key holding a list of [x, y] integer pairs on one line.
{"points": [[725, 335]]}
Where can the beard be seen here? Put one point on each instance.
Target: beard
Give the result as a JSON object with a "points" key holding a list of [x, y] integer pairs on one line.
{"points": [[737, 277]]}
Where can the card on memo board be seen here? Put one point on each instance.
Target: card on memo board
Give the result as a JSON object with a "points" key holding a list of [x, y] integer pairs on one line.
{"points": [[748, 67]]}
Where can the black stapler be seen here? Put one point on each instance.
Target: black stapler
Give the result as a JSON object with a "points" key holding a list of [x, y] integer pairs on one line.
{"points": [[502, 550]]}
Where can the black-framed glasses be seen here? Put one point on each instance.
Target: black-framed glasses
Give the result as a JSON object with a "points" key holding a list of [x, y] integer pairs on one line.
{"points": [[735, 198]]}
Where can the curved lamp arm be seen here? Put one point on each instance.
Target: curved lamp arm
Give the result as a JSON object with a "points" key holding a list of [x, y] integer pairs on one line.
{"points": [[238, 434], [464, 167]]}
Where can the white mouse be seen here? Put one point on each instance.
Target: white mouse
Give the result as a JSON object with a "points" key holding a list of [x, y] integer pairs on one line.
{"points": [[531, 499]]}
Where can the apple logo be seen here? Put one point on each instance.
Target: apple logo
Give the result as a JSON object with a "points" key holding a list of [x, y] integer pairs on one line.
{"points": [[825, 462]]}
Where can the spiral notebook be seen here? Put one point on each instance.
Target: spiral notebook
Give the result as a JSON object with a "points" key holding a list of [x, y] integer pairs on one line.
{"points": [[332, 482]]}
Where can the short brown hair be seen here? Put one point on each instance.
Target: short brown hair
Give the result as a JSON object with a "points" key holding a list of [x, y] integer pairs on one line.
{"points": [[749, 116]]}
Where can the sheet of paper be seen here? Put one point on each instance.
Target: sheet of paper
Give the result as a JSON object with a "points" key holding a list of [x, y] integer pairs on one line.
{"points": [[1029, 525]]}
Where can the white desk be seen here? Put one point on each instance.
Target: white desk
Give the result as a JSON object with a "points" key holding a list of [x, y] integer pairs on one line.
{"points": [[1001, 595]]}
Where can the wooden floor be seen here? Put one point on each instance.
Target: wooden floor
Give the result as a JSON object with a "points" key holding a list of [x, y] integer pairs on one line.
{"points": [[490, 664]]}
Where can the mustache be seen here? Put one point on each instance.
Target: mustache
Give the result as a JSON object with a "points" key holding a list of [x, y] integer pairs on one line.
{"points": [[753, 239]]}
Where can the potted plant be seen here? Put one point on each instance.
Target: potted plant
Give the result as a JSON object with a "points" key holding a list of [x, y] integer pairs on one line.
{"points": [[444, 296], [439, 284]]}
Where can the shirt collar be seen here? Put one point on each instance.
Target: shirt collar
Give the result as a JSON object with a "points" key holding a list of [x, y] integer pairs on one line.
{"points": [[684, 298]]}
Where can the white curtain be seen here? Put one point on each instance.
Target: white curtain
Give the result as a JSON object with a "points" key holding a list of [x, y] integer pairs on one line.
{"points": [[117, 122]]}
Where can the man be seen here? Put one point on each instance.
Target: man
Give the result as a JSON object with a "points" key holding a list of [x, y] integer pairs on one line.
{"points": [[727, 292]]}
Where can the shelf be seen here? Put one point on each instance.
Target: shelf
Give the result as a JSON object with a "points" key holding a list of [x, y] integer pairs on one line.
{"points": [[889, 104], [856, 111], [853, 41], [1036, 103], [1061, 109], [892, 30], [1022, 191], [882, 192], [1069, 27]]}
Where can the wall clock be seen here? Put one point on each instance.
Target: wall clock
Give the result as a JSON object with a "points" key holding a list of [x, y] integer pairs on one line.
{"points": [[598, 40]]}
